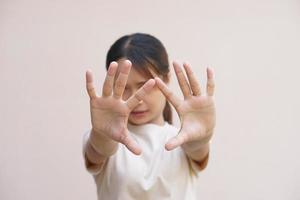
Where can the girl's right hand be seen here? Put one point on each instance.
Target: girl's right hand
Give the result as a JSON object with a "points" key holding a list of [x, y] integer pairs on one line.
{"points": [[109, 112]]}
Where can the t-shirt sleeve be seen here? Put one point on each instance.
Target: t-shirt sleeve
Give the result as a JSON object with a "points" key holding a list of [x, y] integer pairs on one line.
{"points": [[199, 166], [92, 168]]}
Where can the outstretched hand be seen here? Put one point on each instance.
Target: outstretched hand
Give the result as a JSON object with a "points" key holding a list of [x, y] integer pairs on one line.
{"points": [[109, 113], [197, 110]]}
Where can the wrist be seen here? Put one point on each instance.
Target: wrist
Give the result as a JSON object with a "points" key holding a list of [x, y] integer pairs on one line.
{"points": [[102, 144], [198, 144], [198, 154], [194, 146]]}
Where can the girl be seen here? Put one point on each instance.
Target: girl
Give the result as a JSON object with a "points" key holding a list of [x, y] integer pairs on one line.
{"points": [[132, 150]]}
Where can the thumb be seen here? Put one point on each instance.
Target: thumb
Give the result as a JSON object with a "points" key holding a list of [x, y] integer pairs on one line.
{"points": [[131, 144], [176, 141]]}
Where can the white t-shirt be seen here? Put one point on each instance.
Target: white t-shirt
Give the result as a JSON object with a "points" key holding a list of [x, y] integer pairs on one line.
{"points": [[155, 174]]}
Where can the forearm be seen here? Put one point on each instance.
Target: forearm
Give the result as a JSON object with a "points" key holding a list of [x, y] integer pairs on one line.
{"points": [[99, 147]]}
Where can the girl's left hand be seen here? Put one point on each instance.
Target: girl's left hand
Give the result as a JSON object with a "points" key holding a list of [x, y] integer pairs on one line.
{"points": [[196, 112]]}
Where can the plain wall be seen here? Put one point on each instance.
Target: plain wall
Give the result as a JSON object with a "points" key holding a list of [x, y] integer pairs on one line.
{"points": [[253, 46]]}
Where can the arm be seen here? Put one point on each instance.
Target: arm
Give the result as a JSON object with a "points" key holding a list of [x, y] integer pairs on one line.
{"points": [[196, 112], [110, 113]]}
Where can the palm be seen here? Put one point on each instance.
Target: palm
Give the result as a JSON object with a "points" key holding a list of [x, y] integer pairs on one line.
{"points": [[196, 111], [109, 116], [197, 117]]}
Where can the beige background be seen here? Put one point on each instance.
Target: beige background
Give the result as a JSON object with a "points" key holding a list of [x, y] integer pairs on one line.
{"points": [[254, 47]]}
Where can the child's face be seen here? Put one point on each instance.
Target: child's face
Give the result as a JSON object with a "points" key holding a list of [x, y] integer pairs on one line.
{"points": [[151, 108]]}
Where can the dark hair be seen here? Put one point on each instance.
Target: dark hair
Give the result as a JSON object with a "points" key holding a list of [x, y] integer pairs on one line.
{"points": [[144, 51]]}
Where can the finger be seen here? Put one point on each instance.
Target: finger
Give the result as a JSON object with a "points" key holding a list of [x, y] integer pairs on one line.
{"points": [[131, 145], [134, 100], [90, 84], [122, 79], [109, 79], [182, 81], [195, 86], [175, 101], [210, 86], [176, 141]]}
